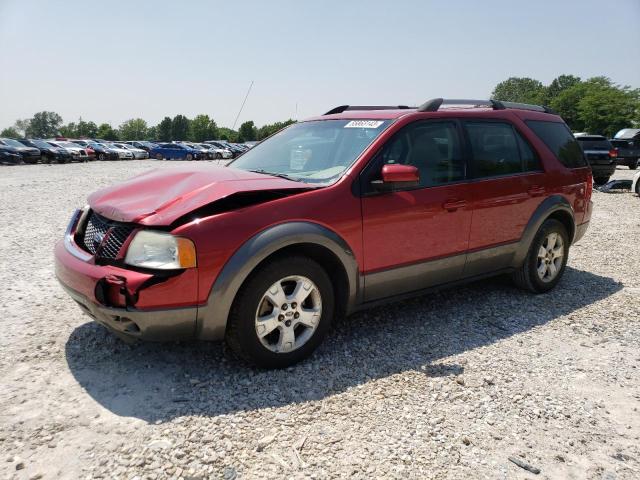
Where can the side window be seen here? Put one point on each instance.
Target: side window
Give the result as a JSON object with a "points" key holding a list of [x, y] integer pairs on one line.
{"points": [[494, 148], [558, 138], [432, 147], [498, 149]]}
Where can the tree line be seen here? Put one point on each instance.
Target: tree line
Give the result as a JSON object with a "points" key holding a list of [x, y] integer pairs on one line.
{"points": [[596, 105], [198, 129]]}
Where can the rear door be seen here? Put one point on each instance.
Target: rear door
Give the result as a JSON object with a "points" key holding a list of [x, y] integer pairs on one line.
{"points": [[508, 185], [417, 237]]}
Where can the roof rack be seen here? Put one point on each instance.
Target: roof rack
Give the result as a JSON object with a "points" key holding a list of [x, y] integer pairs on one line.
{"points": [[343, 108], [434, 104]]}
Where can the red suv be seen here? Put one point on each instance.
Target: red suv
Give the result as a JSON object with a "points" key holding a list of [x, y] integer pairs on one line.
{"points": [[329, 216]]}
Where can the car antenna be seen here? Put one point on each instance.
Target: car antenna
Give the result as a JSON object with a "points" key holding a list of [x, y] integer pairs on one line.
{"points": [[242, 106]]}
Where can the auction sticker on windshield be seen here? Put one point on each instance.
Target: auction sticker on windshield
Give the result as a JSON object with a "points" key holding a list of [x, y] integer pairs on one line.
{"points": [[363, 124]]}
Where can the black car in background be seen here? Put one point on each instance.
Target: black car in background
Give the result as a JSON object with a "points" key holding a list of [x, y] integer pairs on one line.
{"points": [[48, 152], [28, 154], [102, 151], [9, 157], [627, 144], [601, 156]]}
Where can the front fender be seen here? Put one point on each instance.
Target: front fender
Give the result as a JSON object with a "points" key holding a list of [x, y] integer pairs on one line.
{"points": [[212, 318]]}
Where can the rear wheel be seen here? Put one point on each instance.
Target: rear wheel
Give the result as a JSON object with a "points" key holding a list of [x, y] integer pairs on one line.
{"points": [[159, 156], [546, 260], [282, 313], [188, 157], [634, 164], [101, 157]]}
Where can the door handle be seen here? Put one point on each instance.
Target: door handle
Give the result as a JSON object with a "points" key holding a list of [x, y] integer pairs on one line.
{"points": [[536, 191], [453, 205]]}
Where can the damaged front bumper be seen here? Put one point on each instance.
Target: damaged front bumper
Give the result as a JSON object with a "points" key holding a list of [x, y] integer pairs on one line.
{"points": [[132, 303]]}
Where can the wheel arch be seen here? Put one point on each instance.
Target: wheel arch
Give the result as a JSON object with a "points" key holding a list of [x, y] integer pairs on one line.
{"points": [[556, 207], [325, 246]]}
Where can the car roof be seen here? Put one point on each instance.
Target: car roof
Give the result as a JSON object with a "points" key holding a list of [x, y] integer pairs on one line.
{"points": [[591, 137]]}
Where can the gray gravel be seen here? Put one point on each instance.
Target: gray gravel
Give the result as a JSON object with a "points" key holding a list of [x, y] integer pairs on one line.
{"points": [[473, 382]]}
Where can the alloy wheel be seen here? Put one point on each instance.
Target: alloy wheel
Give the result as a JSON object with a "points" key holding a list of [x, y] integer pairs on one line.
{"points": [[550, 257], [288, 314]]}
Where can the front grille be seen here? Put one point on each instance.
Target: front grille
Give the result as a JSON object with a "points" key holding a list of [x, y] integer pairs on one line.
{"points": [[104, 236]]}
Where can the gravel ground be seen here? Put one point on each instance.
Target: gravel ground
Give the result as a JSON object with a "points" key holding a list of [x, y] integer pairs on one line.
{"points": [[449, 385]]}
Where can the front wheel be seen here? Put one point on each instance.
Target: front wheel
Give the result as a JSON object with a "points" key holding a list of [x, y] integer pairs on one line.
{"points": [[546, 260], [188, 157], [159, 156], [282, 313], [634, 164]]}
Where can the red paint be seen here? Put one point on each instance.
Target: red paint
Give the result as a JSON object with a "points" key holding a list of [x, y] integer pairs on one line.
{"points": [[400, 173]]}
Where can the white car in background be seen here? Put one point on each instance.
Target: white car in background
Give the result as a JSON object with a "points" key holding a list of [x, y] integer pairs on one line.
{"points": [[635, 186], [138, 153], [215, 152], [123, 153], [78, 153]]}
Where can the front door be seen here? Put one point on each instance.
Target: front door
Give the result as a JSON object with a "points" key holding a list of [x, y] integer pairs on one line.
{"points": [[417, 237]]}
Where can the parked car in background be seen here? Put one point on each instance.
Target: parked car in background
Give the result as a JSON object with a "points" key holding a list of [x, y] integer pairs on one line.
{"points": [[204, 153], [123, 153], [235, 151], [601, 156], [251, 143], [627, 144], [48, 153], [329, 216], [28, 154], [78, 153], [138, 153], [143, 144], [102, 152], [175, 151], [635, 185], [8, 156]]}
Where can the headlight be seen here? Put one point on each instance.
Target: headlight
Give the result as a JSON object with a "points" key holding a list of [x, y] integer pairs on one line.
{"points": [[160, 250]]}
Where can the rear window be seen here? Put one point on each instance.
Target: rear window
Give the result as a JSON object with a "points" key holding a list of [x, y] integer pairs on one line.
{"points": [[560, 141], [598, 144]]}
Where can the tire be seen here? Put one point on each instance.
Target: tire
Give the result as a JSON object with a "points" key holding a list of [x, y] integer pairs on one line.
{"points": [[159, 156], [600, 180], [188, 157], [638, 187], [633, 165], [101, 157], [245, 317], [528, 276], [218, 156]]}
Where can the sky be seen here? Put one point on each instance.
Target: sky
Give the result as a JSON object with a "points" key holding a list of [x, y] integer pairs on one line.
{"points": [[109, 61]]}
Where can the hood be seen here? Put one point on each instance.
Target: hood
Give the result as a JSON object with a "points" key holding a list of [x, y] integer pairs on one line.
{"points": [[159, 197]]}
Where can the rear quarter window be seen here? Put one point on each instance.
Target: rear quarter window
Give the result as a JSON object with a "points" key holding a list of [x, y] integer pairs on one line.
{"points": [[560, 141]]}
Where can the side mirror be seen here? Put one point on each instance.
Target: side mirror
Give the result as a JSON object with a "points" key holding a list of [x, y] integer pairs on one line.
{"points": [[396, 176]]}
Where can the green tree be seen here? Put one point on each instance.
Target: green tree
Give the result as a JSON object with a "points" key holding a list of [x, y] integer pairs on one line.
{"points": [[44, 124], [86, 129], [107, 132], [269, 129], [179, 127], [247, 132], [606, 107], [566, 104], [559, 85], [152, 133], [133, 129], [520, 89], [227, 134], [70, 130], [21, 126], [10, 132], [163, 130], [202, 128]]}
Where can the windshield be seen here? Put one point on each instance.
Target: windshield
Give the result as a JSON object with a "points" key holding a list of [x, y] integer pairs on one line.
{"points": [[40, 143], [12, 143], [314, 152]]}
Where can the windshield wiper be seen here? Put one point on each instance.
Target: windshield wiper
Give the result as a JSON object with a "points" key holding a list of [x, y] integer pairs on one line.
{"points": [[275, 174]]}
